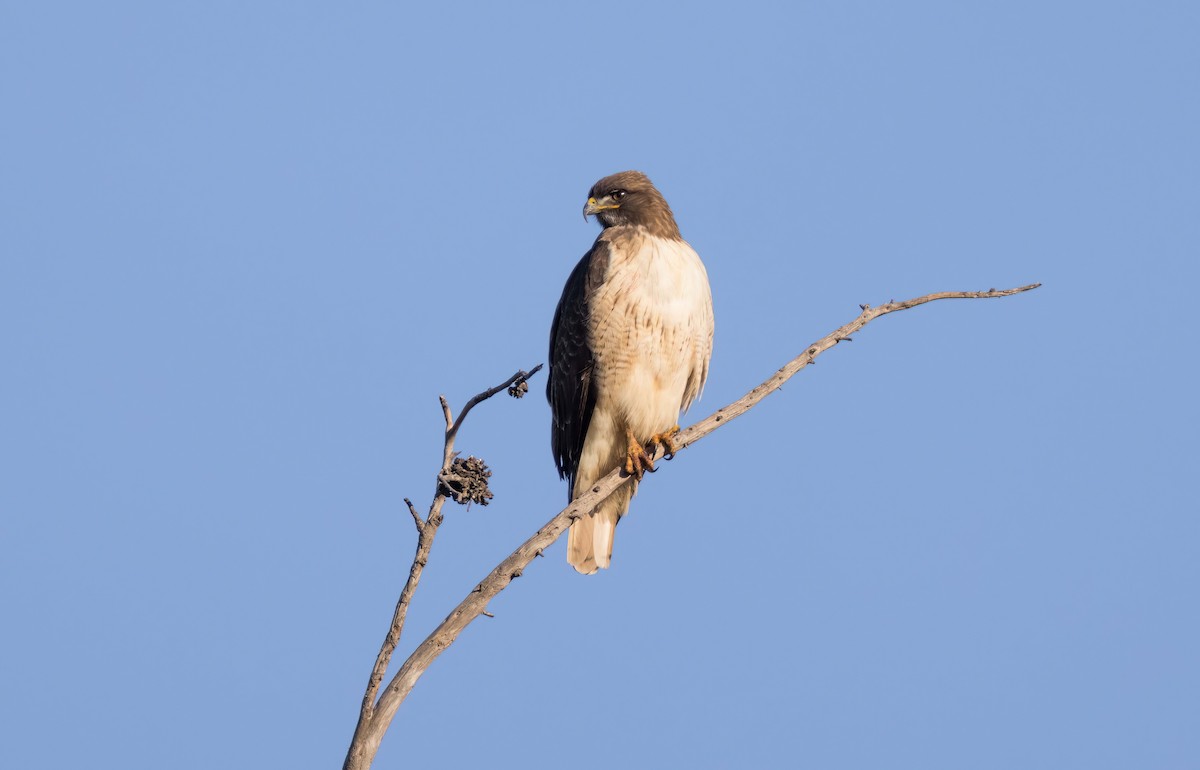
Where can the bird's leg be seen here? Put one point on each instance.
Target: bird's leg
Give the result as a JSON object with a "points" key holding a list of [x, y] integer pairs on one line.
{"points": [[666, 440], [637, 462]]}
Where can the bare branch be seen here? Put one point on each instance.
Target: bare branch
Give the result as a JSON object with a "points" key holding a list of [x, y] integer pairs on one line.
{"points": [[366, 740], [426, 530], [420, 559]]}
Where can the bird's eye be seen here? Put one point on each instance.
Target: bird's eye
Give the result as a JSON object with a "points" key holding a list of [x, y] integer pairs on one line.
{"points": [[618, 194]]}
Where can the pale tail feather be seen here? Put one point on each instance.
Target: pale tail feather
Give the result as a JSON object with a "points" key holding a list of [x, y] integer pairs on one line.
{"points": [[603, 529], [590, 539], [579, 545]]}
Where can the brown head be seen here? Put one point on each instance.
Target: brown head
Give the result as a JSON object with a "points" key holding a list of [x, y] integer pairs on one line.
{"points": [[628, 198]]}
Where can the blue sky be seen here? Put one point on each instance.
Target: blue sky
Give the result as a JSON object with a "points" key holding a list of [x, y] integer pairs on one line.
{"points": [[244, 247]]}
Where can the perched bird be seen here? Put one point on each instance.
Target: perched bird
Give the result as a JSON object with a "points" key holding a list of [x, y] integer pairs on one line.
{"points": [[629, 349]]}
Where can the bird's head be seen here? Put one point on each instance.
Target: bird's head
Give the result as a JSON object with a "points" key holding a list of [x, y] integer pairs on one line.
{"points": [[629, 198]]}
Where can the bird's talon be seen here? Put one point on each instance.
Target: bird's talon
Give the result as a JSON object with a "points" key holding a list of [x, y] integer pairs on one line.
{"points": [[637, 462], [666, 440]]}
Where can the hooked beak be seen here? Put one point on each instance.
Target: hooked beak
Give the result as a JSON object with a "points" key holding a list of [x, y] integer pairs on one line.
{"points": [[594, 206]]}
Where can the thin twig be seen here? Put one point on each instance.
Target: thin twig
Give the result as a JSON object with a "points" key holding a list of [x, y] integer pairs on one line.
{"points": [[701, 429], [416, 516], [484, 396], [366, 742]]}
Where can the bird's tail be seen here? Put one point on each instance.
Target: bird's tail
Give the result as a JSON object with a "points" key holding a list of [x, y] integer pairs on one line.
{"points": [[590, 539]]}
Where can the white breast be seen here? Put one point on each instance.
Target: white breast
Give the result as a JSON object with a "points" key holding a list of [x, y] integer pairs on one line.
{"points": [[654, 342]]}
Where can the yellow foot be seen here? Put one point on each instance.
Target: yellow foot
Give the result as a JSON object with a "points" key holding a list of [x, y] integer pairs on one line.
{"points": [[666, 440], [637, 462]]}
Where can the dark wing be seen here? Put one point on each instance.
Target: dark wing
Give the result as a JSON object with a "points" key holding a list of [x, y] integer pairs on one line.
{"points": [[568, 388]]}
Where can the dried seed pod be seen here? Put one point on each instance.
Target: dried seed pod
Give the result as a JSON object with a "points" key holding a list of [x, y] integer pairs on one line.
{"points": [[467, 481]]}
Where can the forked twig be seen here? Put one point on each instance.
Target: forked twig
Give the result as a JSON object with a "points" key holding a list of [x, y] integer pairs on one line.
{"points": [[426, 530]]}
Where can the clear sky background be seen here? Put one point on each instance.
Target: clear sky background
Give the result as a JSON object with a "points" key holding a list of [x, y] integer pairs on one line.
{"points": [[246, 245]]}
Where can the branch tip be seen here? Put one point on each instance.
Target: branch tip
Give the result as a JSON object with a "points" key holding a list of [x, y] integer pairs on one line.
{"points": [[412, 509]]}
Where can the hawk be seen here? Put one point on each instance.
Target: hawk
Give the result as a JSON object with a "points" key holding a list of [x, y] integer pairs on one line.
{"points": [[629, 350]]}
